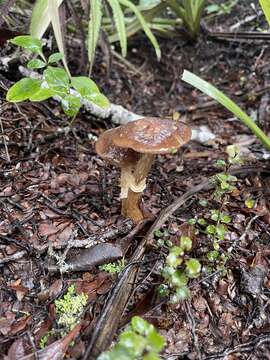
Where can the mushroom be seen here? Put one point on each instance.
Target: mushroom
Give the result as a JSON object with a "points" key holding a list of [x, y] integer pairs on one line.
{"points": [[133, 148]]}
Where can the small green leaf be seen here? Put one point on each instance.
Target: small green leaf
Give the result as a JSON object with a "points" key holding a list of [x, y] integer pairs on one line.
{"points": [[132, 341], [139, 325], [98, 99], [57, 79], [42, 94], [226, 219], [155, 340], [84, 85], [158, 233], [23, 89], [250, 203], [163, 290], [28, 42], [211, 229], [185, 243], [167, 272], [215, 214], [36, 64], [71, 105], [202, 222], [54, 58], [181, 294], [212, 255], [178, 279], [193, 268], [221, 230], [220, 164]]}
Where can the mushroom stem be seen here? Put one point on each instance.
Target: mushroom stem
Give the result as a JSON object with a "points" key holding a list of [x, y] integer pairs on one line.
{"points": [[133, 180]]}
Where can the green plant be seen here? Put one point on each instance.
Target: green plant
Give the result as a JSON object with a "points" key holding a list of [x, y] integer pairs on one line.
{"points": [[190, 11], [69, 309], [265, 5], [113, 268], [216, 94], [178, 270], [139, 341], [46, 11], [44, 340], [54, 81]]}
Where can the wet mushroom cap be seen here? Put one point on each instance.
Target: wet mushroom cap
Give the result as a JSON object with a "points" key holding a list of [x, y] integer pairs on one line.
{"points": [[113, 154], [152, 135]]}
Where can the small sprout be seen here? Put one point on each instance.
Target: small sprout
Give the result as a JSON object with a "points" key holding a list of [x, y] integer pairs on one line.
{"points": [[193, 268], [113, 268], [69, 309], [203, 202], [221, 164], [186, 243], [212, 255], [234, 154], [211, 229], [202, 222], [139, 340], [192, 221], [250, 203]]}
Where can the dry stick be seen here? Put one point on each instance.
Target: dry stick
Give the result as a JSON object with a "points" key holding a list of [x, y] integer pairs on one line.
{"points": [[114, 307]]}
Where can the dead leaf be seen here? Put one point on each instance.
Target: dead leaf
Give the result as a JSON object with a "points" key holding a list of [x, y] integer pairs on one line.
{"points": [[16, 351], [55, 289], [47, 228]]}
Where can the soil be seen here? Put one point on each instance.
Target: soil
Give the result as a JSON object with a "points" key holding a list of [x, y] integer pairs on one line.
{"points": [[56, 193]]}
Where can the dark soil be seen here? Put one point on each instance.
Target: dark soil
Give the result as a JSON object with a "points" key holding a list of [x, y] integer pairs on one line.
{"points": [[55, 190]]}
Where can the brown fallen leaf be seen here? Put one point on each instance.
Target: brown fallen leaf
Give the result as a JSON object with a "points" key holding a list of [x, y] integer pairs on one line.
{"points": [[47, 228], [16, 351], [56, 350], [20, 324]]}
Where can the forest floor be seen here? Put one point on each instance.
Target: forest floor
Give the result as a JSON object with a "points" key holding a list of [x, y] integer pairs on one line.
{"points": [[56, 194]]}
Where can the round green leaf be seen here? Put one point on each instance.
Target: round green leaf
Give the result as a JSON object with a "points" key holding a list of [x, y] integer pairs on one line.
{"points": [[178, 279], [193, 268], [55, 57], [186, 243], [23, 89], [28, 42], [155, 341], [36, 64], [139, 325]]}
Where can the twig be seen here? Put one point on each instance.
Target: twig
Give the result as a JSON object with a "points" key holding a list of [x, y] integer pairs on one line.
{"points": [[193, 328], [4, 141], [18, 255]]}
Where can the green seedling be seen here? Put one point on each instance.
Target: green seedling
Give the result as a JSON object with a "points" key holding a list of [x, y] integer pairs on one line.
{"points": [[140, 341], [113, 268], [53, 81], [69, 310], [178, 270]]}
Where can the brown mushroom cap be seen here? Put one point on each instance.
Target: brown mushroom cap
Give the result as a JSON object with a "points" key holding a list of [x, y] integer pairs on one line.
{"points": [[152, 135], [115, 155]]}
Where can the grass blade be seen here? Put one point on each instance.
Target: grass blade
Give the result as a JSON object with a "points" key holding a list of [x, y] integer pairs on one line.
{"points": [[40, 19], [119, 20], [216, 94], [265, 5], [144, 25], [54, 16], [94, 26]]}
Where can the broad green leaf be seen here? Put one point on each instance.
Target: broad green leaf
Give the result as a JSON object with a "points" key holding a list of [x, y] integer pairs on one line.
{"points": [[55, 57], [216, 94], [98, 99], [42, 94], [40, 19], [57, 79], [28, 42], [23, 89], [119, 20], [36, 64], [94, 26], [144, 25], [71, 105], [84, 85], [265, 5]]}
